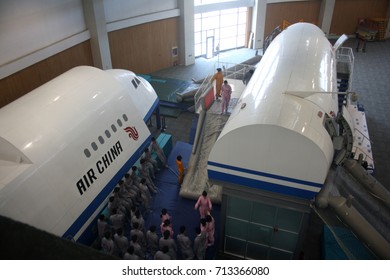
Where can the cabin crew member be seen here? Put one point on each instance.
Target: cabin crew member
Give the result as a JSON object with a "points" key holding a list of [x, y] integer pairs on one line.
{"points": [[124, 203], [102, 226], [151, 189], [121, 243], [152, 240], [107, 243], [125, 195], [148, 157], [210, 229], [130, 185], [200, 244], [218, 78], [130, 254], [137, 247], [162, 254], [134, 176], [141, 236], [154, 146], [166, 240], [116, 219], [143, 187], [144, 200], [247, 76], [145, 173], [226, 94], [166, 225], [114, 203], [185, 244], [180, 169], [204, 204], [164, 215], [137, 218], [203, 225], [146, 167]]}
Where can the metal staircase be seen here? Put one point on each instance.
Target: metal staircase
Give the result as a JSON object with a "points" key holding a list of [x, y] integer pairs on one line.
{"points": [[344, 69]]}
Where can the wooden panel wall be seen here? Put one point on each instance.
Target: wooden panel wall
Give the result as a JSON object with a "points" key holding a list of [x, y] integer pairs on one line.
{"points": [[145, 48], [347, 12], [24, 81], [293, 12]]}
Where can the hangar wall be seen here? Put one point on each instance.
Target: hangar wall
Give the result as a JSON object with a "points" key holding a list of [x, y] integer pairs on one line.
{"points": [[347, 13], [145, 48], [291, 11], [18, 84], [344, 18]]}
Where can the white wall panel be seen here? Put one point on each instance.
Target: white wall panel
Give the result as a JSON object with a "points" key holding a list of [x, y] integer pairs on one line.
{"points": [[28, 26], [118, 10]]}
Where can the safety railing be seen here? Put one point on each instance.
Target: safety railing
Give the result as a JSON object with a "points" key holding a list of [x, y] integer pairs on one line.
{"points": [[230, 71], [345, 55]]}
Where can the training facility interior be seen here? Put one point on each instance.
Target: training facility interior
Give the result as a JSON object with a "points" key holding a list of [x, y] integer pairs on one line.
{"points": [[41, 39]]}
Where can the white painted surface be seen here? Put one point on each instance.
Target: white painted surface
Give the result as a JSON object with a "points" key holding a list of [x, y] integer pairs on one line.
{"points": [[44, 135], [280, 130]]}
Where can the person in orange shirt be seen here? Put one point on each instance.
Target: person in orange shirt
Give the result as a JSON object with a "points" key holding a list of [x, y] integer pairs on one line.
{"points": [[218, 78], [180, 168]]}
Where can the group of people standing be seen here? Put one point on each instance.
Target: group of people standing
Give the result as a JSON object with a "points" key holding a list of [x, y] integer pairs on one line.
{"points": [[168, 246], [129, 201], [121, 229]]}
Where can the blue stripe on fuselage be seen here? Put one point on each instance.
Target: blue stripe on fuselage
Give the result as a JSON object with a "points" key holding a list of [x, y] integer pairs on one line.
{"points": [[104, 193], [149, 114], [258, 184]]}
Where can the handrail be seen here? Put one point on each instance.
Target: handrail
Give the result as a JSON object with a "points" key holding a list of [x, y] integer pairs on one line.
{"points": [[199, 93], [345, 54], [230, 70]]}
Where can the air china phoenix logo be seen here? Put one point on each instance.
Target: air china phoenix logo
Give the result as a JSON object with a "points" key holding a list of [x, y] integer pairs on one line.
{"points": [[132, 131]]}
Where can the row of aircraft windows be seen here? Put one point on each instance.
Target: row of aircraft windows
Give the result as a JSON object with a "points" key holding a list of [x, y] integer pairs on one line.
{"points": [[107, 133]]}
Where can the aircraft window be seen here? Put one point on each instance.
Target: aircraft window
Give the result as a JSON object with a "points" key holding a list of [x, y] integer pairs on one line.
{"points": [[87, 153], [101, 140], [108, 134], [94, 146], [138, 81], [113, 127], [125, 117], [119, 122], [134, 83]]}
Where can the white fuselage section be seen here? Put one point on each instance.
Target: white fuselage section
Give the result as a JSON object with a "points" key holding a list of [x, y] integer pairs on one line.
{"points": [[65, 145], [275, 138]]}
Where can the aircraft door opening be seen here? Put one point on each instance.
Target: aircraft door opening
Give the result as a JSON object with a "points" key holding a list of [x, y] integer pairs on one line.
{"points": [[210, 47], [210, 39]]}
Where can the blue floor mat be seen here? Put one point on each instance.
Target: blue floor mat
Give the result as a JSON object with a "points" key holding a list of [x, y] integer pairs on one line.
{"points": [[180, 209]]}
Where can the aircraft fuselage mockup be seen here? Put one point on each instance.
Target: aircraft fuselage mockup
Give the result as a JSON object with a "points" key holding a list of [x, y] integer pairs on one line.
{"points": [[65, 145]]}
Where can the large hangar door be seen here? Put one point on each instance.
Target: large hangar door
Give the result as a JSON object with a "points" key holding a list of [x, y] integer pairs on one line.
{"points": [[256, 230]]}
